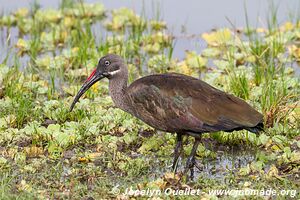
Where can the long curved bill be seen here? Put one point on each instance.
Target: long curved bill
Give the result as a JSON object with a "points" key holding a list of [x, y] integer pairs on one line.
{"points": [[88, 83]]}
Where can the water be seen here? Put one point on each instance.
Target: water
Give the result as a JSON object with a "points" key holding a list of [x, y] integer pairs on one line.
{"points": [[193, 17], [227, 160]]}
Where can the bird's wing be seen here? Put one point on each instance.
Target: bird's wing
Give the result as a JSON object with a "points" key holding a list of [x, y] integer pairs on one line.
{"points": [[175, 102]]}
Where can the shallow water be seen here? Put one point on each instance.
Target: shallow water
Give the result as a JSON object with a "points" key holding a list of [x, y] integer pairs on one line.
{"points": [[186, 18], [226, 162]]}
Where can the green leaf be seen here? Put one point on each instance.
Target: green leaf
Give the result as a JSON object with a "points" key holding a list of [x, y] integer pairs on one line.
{"points": [[211, 52], [263, 139]]}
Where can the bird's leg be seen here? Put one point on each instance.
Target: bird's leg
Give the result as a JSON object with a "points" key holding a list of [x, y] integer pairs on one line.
{"points": [[191, 159], [177, 151]]}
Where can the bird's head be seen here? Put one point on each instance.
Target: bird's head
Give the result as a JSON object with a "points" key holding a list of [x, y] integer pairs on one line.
{"points": [[110, 66]]}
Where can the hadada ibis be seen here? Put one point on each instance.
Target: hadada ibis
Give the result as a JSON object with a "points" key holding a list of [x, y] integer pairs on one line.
{"points": [[174, 103]]}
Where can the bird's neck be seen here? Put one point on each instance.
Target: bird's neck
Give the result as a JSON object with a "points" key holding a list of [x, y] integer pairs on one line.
{"points": [[117, 90]]}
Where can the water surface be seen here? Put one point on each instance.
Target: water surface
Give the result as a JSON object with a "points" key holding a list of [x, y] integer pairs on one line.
{"points": [[193, 17]]}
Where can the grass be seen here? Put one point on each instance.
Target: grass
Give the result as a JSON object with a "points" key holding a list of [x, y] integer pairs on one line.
{"points": [[21, 104], [48, 152]]}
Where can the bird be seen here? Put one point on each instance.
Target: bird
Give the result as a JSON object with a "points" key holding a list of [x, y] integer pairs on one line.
{"points": [[175, 103]]}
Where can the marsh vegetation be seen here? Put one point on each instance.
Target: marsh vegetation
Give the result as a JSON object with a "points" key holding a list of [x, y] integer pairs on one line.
{"points": [[48, 152]]}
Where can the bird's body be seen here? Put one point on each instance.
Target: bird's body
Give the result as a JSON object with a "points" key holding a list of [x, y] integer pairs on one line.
{"points": [[174, 103], [179, 103]]}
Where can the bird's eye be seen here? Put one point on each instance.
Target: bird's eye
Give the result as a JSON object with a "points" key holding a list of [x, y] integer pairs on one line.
{"points": [[107, 63]]}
